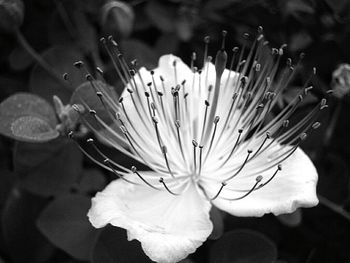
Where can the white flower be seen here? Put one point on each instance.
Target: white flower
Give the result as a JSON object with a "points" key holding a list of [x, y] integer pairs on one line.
{"points": [[209, 139]]}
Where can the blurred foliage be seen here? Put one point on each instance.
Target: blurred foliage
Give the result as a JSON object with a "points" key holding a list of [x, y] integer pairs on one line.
{"points": [[45, 187]]}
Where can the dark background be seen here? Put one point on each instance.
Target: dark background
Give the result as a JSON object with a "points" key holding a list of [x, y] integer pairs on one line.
{"points": [[45, 188]]}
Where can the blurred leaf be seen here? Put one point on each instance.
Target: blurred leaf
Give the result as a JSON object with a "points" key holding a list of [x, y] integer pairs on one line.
{"points": [[23, 241], [292, 220], [113, 246], [61, 58], [340, 7], [299, 8], [11, 15], [117, 18], [7, 180], [92, 180], [213, 5], [299, 41], [216, 216], [243, 246], [9, 86], [87, 37], [48, 169], [19, 59], [142, 21], [167, 44], [65, 224], [161, 15], [70, 25], [145, 55], [27, 117], [184, 27]]}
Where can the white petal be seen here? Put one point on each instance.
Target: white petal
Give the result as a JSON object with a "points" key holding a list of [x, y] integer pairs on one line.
{"points": [[169, 227], [293, 187]]}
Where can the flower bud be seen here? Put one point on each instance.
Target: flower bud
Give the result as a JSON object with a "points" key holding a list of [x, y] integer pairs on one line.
{"points": [[11, 14], [67, 114], [341, 81], [117, 18]]}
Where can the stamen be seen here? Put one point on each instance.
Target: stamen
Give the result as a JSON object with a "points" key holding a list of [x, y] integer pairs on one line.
{"points": [[220, 65], [134, 170], [262, 144], [200, 159], [216, 120], [206, 44], [258, 180], [193, 59], [161, 180], [234, 147], [224, 33], [223, 184], [195, 145], [175, 71], [114, 62], [164, 151], [241, 167], [71, 136], [205, 118], [92, 143], [177, 124], [279, 168], [107, 161]]}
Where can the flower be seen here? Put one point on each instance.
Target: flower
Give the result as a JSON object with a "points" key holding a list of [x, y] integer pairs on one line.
{"points": [[341, 80], [209, 139]]}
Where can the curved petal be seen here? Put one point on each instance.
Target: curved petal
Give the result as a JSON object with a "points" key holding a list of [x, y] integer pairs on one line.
{"points": [[293, 187], [169, 227]]}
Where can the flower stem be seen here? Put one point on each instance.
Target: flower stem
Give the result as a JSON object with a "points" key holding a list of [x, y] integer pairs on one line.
{"points": [[334, 207], [24, 43]]}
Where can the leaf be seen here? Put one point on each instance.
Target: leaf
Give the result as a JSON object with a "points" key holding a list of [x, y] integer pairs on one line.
{"points": [[92, 180], [23, 241], [27, 117], [113, 246], [61, 59], [7, 180], [243, 246], [145, 55], [48, 169], [19, 59], [65, 224]]}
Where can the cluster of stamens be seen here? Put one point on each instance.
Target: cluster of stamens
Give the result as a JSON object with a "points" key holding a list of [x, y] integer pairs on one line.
{"points": [[199, 129]]}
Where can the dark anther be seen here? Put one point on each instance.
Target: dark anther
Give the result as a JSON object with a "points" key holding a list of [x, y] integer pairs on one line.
{"points": [[78, 64], [216, 119], [88, 77]]}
